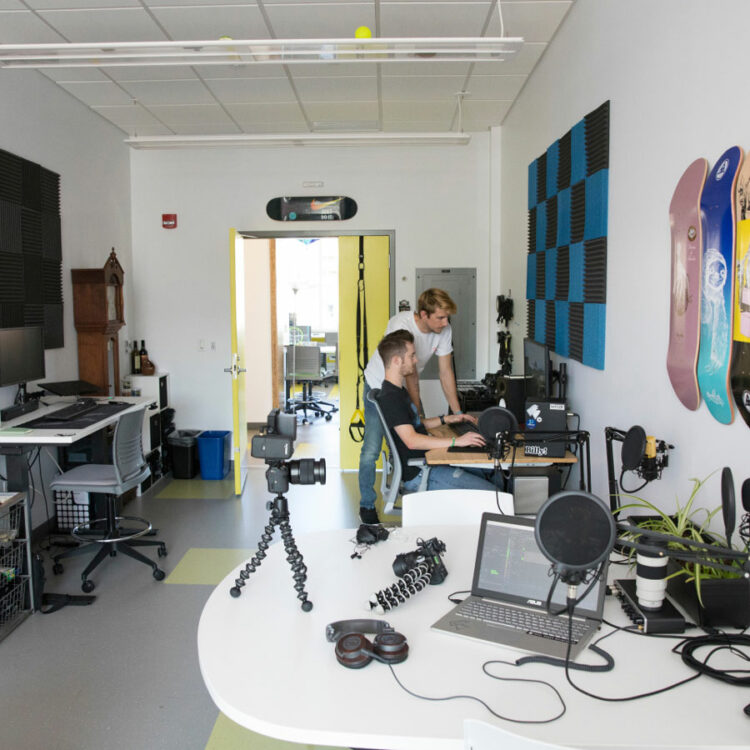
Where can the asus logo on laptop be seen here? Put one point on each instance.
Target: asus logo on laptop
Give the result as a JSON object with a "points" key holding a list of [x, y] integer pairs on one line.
{"points": [[534, 602]]}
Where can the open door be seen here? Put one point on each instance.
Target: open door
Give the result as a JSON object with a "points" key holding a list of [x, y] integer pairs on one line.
{"points": [[237, 369]]}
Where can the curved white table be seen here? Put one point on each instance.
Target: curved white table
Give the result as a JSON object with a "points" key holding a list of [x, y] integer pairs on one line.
{"points": [[268, 666]]}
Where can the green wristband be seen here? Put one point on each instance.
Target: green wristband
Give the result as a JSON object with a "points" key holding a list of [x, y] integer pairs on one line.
{"points": [[453, 442]]}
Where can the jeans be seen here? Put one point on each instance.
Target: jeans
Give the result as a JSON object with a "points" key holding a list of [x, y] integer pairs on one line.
{"points": [[455, 478], [369, 453]]}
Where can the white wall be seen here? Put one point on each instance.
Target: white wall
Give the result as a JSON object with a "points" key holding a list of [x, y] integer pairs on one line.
{"points": [[436, 199], [40, 122], [672, 100]]}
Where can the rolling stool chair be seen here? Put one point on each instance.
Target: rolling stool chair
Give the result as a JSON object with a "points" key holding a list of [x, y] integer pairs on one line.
{"points": [[127, 470]]}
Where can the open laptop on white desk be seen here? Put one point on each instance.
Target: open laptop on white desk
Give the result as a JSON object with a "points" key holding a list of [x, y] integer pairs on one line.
{"points": [[509, 592]]}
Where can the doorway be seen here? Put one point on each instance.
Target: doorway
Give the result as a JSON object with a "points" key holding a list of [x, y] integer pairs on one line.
{"points": [[322, 267]]}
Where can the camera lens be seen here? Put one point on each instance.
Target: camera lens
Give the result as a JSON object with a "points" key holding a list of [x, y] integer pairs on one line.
{"points": [[307, 471]]}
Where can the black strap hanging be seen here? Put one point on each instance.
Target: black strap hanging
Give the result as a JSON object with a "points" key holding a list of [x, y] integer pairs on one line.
{"points": [[357, 422]]}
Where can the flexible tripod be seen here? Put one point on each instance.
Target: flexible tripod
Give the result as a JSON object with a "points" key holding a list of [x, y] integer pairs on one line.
{"points": [[279, 517]]}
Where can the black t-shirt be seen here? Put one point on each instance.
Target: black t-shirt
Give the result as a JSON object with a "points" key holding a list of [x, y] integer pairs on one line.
{"points": [[399, 409]]}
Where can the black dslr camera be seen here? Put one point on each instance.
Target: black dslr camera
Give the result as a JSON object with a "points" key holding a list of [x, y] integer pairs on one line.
{"points": [[274, 444], [428, 553]]}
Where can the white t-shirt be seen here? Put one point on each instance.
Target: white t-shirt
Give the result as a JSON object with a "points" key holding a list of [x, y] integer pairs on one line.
{"points": [[425, 345]]}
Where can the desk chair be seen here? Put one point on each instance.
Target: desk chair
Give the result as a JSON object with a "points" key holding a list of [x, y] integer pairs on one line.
{"points": [[452, 506], [390, 481], [480, 735], [303, 365], [127, 470]]}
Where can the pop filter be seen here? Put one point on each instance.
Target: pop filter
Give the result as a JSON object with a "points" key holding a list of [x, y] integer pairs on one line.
{"points": [[728, 506], [495, 420], [576, 532], [633, 448]]}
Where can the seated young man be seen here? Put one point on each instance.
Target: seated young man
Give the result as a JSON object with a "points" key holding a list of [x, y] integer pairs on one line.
{"points": [[410, 433]]}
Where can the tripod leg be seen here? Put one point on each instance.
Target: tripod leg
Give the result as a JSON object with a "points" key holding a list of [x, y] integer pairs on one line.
{"points": [[296, 561], [257, 558]]}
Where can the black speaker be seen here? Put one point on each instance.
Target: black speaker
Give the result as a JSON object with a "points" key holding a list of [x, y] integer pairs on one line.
{"points": [[512, 388]]}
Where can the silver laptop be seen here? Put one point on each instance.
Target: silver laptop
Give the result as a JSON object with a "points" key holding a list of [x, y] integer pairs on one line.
{"points": [[509, 593]]}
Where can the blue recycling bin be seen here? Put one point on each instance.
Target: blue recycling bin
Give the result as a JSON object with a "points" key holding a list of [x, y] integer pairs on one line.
{"points": [[214, 447]]}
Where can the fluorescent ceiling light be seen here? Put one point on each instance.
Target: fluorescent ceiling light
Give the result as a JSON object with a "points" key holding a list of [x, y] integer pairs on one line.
{"points": [[298, 139], [260, 52]]}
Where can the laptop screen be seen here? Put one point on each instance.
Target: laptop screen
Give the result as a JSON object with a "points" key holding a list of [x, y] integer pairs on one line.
{"points": [[510, 567]]}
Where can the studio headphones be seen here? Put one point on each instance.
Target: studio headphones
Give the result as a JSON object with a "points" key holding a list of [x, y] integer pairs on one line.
{"points": [[354, 651]]}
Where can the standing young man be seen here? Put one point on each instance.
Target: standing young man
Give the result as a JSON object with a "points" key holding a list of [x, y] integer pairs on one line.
{"points": [[432, 334], [410, 432]]}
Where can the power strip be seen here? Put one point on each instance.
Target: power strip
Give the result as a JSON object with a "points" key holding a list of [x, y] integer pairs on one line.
{"points": [[664, 620], [18, 410]]}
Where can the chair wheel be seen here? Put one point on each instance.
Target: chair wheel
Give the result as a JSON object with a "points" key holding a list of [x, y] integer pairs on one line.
{"points": [[159, 574], [328, 417], [57, 568], [87, 587], [162, 551]]}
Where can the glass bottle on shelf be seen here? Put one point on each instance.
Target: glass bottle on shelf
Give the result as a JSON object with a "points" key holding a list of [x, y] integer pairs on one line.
{"points": [[136, 358], [144, 353]]}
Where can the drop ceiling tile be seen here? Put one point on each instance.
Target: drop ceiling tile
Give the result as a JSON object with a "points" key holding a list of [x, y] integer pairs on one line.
{"points": [[520, 64], [227, 128], [210, 72], [104, 25], [409, 19], [266, 113], [320, 20], [278, 127], [11, 5], [150, 72], [337, 70], [494, 87], [212, 22], [169, 92], [244, 90], [336, 89], [73, 74], [534, 20], [23, 27], [98, 94], [492, 112], [418, 87], [417, 126], [425, 68], [129, 116], [428, 110], [66, 4], [342, 112], [148, 130], [206, 114], [170, 3]]}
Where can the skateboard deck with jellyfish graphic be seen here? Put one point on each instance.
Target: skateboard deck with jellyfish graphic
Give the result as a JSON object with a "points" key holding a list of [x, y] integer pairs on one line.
{"points": [[740, 370], [717, 285], [684, 316]]}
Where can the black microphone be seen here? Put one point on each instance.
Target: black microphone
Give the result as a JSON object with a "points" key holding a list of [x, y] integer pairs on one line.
{"points": [[728, 508]]}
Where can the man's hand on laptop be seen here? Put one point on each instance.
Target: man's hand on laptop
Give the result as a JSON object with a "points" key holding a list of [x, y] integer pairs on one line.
{"points": [[454, 418]]}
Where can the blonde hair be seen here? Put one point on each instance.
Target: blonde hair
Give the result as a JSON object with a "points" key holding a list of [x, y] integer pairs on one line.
{"points": [[431, 299]]}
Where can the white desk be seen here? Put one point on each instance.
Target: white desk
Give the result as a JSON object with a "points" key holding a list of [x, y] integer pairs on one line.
{"points": [[56, 435], [268, 666]]}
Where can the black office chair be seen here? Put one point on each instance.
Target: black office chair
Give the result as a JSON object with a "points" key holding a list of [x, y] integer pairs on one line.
{"points": [[127, 470]]}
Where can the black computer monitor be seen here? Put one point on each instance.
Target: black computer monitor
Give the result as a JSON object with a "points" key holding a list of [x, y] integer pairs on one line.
{"points": [[21, 355], [537, 369]]}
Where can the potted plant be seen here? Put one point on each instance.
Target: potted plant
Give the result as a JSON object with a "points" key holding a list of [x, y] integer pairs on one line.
{"points": [[712, 597]]}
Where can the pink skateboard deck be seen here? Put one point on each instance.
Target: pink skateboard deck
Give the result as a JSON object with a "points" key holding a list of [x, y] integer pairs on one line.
{"points": [[684, 317]]}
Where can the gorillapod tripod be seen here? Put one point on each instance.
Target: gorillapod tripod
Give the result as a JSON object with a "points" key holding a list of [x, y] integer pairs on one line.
{"points": [[279, 517]]}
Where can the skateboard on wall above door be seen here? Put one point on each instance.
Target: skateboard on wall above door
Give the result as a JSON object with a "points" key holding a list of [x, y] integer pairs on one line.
{"points": [[717, 290], [684, 316]]}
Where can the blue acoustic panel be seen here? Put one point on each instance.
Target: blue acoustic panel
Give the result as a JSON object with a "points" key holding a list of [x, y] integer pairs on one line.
{"points": [[563, 217], [531, 276], [593, 335], [575, 264], [553, 154], [540, 324], [596, 205], [550, 280], [541, 226], [532, 184], [562, 329]]}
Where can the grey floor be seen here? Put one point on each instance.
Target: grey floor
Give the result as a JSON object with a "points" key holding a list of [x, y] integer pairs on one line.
{"points": [[123, 672]]}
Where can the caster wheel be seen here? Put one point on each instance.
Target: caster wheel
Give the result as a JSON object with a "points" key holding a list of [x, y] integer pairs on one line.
{"points": [[162, 552], [57, 568], [159, 574], [87, 587], [328, 417]]}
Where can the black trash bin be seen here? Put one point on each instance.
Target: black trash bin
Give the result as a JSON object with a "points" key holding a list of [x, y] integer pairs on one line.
{"points": [[184, 448]]}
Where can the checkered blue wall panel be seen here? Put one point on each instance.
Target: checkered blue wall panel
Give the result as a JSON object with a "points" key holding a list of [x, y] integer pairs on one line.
{"points": [[566, 270]]}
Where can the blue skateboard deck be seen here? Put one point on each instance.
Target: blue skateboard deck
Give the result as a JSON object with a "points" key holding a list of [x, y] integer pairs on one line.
{"points": [[717, 293]]}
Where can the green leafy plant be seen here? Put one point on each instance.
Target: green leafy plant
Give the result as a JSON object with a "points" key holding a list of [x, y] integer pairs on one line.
{"points": [[689, 522]]}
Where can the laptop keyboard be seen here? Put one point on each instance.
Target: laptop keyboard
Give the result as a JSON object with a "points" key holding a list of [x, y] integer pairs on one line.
{"points": [[530, 621], [461, 428]]}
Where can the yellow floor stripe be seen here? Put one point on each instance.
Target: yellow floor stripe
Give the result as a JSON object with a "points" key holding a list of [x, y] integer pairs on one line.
{"points": [[206, 566], [227, 735], [198, 489]]}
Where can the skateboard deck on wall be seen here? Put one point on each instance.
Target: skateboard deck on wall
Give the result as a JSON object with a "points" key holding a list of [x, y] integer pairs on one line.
{"points": [[684, 316], [717, 285], [740, 370]]}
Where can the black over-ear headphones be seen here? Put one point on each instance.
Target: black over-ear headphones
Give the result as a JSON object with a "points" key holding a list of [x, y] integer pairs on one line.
{"points": [[355, 651]]}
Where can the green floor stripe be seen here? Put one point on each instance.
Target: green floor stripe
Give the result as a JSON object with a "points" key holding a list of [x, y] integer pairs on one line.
{"points": [[206, 566], [227, 735], [198, 489]]}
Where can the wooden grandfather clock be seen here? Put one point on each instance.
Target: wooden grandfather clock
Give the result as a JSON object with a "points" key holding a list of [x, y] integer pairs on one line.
{"points": [[98, 316]]}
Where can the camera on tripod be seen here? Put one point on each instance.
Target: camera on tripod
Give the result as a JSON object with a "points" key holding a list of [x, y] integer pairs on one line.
{"points": [[275, 444], [428, 552]]}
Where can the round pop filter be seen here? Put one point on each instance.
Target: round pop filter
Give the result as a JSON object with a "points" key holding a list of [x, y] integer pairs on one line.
{"points": [[496, 419], [575, 531], [633, 448]]}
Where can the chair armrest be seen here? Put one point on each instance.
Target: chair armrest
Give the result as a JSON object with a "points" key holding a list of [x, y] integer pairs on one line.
{"points": [[416, 461]]}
